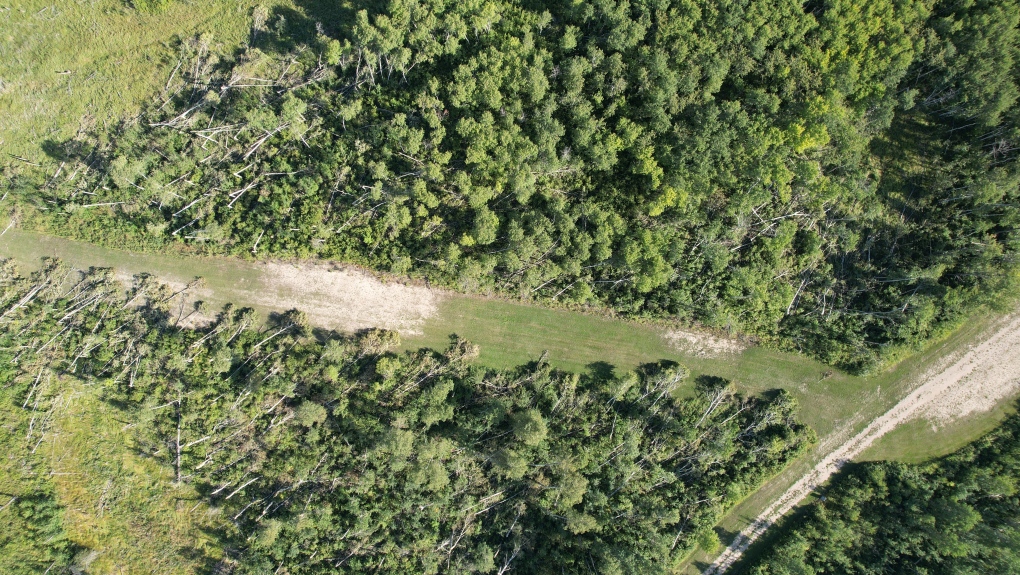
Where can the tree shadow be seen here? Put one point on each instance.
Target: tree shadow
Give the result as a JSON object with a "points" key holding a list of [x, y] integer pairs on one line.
{"points": [[288, 28], [710, 382], [601, 371], [656, 367], [770, 394]]}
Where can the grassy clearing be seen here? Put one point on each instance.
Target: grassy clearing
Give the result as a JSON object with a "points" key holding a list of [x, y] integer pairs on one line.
{"points": [[120, 505], [79, 64], [832, 402], [228, 280], [509, 333], [919, 440], [115, 499], [512, 333]]}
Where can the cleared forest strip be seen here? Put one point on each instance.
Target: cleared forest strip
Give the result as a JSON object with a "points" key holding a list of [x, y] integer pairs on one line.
{"points": [[509, 333], [996, 358], [331, 296], [347, 299]]}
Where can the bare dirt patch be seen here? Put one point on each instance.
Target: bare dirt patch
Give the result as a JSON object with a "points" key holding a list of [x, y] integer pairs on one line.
{"points": [[345, 299], [184, 302], [981, 387], [702, 344], [331, 296], [988, 369]]}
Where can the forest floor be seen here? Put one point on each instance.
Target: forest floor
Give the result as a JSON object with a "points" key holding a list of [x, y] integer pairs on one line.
{"points": [[976, 381]]}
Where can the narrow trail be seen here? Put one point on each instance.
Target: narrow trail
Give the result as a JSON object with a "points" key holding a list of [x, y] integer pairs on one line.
{"points": [[995, 361]]}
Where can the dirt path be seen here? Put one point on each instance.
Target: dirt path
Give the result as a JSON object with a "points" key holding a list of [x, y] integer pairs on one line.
{"points": [[990, 369], [330, 295]]}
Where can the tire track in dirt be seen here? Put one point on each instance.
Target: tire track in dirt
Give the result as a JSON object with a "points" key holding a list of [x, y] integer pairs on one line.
{"points": [[998, 350]]}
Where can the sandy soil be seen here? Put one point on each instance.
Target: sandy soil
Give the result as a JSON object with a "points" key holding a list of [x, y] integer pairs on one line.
{"points": [[331, 296], [987, 371], [981, 388], [702, 344], [183, 304], [346, 299]]}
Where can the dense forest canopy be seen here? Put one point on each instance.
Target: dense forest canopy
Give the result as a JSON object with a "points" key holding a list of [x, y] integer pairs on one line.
{"points": [[835, 176], [326, 453], [957, 516]]}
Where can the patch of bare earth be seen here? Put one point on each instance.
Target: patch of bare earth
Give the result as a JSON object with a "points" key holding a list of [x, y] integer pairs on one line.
{"points": [[702, 344], [981, 388], [986, 373], [183, 303], [331, 297], [345, 299]]}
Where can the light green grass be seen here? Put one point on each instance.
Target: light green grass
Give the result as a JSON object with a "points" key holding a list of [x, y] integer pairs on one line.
{"points": [[512, 333], [84, 64], [919, 440], [509, 333], [124, 506]]}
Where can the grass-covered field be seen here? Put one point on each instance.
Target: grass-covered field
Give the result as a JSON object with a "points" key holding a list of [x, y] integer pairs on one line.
{"points": [[120, 504], [115, 498], [73, 65]]}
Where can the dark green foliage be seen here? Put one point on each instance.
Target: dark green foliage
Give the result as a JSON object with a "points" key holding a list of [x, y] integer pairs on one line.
{"points": [[837, 177], [328, 454], [33, 538], [960, 516]]}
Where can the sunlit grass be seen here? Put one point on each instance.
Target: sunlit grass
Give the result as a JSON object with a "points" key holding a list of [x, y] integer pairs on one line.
{"points": [[85, 64], [122, 505]]}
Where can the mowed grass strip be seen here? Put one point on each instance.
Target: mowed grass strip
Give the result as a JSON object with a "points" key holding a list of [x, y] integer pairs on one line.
{"points": [[839, 407], [509, 333], [512, 333]]}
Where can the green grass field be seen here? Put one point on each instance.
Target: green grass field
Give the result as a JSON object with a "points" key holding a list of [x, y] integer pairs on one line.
{"points": [[115, 498], [72, 65], [512, 333]]}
